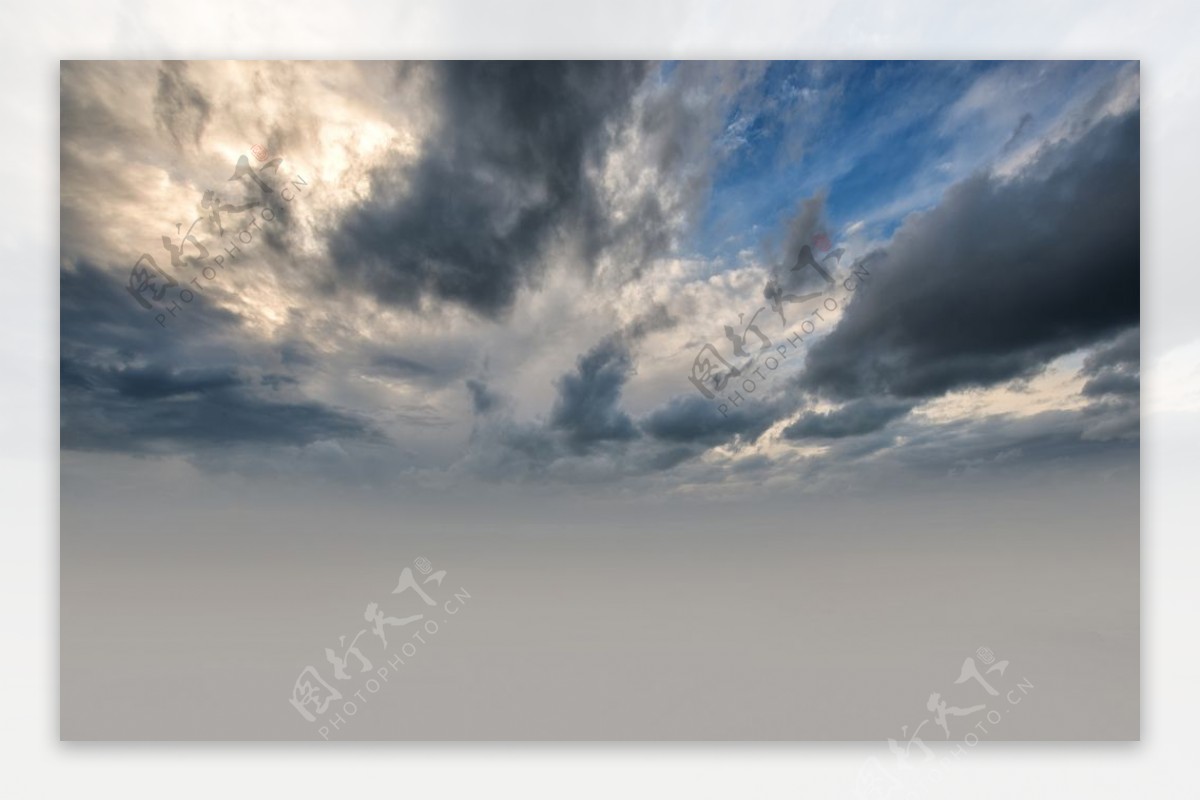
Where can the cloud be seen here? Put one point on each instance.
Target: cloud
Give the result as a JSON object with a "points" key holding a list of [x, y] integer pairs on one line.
{"points": [[863, 416], [158, 410], [1000, 278], [1113, 373], [421, 368], [693, 419], [588, 405], [515, 215], [587, 408], [587, 426], [121, 390], [148, 383], [505, 173], [402, 366], [483, 400], [1114, 368], [1112, 383]]}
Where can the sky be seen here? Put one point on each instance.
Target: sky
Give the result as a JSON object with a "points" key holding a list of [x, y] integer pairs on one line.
{"points": [[414, 291], [506, 271]]}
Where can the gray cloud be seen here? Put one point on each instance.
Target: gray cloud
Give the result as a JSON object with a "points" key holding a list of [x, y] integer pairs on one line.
{"points": [[421, 364], [994, 446], [147, 383], [1003, 276], [692, 419], [586, 423], [483, 400], [862, 416], [1112, 383], [504, 175], [1043, 438], [98, 316], [120, 393], [157, 410], [400, 365], [588, 406], [1114, 368]]}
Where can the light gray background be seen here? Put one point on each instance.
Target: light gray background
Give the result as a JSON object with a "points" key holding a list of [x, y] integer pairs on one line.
{"points": [[604, 618]]}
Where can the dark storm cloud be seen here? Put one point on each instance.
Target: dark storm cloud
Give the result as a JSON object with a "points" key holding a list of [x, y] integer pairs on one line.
{"points": [[97, 311], [1110, 383], [1001, 277], [588, 405], [692, 419], [862, 416], [157, 382], [120, 390], [179, 106], [1113, 372], [504, 174], [156, 409], [1124, 352], [1114, 368]]}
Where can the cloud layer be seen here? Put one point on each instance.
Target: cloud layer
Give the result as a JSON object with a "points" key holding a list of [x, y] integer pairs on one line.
{"points": [[506, 270]]}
